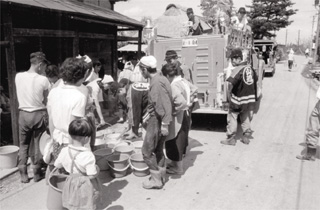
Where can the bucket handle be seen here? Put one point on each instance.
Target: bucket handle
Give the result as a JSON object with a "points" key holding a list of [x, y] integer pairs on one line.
{"points": [[54, 170], [137, 169], [124, 141], [119, 170], [103, 156]]}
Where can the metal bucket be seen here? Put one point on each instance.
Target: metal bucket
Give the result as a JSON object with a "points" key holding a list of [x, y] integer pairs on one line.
{"points": [[124, 147], [138, 165], [44, 139], [137, 146], [119, 165], [8, 156], [101, 156], [56, 183]]}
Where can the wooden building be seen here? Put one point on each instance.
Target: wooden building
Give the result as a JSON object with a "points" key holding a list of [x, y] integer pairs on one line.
{"points": [[60, 29]]}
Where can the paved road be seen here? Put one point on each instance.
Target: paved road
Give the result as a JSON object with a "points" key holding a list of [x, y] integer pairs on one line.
{"points": [[262, 175]]}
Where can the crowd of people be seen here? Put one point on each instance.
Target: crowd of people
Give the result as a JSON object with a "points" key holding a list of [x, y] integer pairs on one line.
{"points": [[65, 100]]}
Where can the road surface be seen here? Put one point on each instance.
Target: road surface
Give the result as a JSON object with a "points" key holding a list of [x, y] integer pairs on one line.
{"points": [[262, 175]]}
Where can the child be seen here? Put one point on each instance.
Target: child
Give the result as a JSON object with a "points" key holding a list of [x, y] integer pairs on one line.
{"points": [[81, 189]]}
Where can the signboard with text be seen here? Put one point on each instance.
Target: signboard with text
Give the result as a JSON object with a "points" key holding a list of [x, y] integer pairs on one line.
{"points": [[189, 42]]}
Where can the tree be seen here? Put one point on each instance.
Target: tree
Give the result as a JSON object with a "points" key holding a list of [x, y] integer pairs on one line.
{"points": [[268, 16], [212, 9]]}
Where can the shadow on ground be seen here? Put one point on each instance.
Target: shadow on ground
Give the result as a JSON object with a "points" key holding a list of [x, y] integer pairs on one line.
{"points": [[304, 150], [190, 158], [209, 122], [111, 193]]}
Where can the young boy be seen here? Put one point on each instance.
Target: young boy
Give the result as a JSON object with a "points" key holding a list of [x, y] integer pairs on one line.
{"points": [[242, 95]]}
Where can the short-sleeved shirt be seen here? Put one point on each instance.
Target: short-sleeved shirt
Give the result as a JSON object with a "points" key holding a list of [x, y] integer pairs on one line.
{"points": [[30, 89], [96, 90], [291, 57], [85, 160], [64, 102], [136, 75], [92, 76]]}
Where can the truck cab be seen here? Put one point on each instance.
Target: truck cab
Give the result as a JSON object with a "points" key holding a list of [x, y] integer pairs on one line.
{"points": [[267, 51]]}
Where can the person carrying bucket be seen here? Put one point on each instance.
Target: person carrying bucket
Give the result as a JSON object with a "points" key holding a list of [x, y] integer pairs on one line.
{"points": [[160, 110], [82, 187]]}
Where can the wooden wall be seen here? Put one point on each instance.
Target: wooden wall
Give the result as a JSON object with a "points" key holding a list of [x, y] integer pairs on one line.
{"points": [[58, 36]]}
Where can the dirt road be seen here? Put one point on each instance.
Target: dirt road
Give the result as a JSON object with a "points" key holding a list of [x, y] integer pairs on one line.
{"points": [[262, 175]]}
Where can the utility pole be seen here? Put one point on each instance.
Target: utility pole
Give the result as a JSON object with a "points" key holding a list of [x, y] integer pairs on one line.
{"points": [[298, 38], [313, 19], [315, 55], [286, 37]]}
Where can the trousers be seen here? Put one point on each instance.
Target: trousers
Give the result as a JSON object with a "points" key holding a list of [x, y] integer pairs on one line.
{"points": [[176, 147], [152, 148], [31, 126], [233, 123], [290, 64], [312, 133]]}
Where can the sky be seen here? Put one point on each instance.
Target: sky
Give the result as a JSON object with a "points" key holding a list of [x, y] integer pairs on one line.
{"points": [[137, 9]]}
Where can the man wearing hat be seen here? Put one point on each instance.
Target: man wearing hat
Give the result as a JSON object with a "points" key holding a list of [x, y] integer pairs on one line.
{"points": [[183, 70], [196, 28], [242, 96], [32, 90], [160, 115]]}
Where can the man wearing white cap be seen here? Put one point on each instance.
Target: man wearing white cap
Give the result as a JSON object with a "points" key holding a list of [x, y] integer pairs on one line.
{"points": [[96, 86], [160, 110]]}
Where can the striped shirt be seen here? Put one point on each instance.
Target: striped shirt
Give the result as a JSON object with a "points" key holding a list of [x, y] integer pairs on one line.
{"points": [[243, 93]]}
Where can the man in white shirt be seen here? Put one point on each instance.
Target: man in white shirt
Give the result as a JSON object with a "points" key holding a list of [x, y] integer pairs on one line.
{"points": [[290, 59], [32, 89]]}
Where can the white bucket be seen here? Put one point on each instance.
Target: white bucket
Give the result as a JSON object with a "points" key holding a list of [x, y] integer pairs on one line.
{"points": [[124, 147], [138, 165], [44, 139], [137, 146], [8, 156]]}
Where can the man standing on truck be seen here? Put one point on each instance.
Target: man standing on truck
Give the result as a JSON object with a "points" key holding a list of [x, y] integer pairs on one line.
{"points": [[184, 70], [242, 95], [196, 28]]}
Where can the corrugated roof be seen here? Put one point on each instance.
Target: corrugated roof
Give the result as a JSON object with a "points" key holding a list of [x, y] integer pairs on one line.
{"points": [[133, 48], [75, 7]]}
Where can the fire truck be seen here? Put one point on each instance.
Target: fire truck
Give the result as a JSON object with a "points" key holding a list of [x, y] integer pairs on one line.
{"points": [[208, 58]]}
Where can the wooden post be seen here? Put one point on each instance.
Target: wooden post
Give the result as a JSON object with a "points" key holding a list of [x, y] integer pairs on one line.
{"points": [[11, 70], [76, 44], [139, 44], [115, 54]]}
